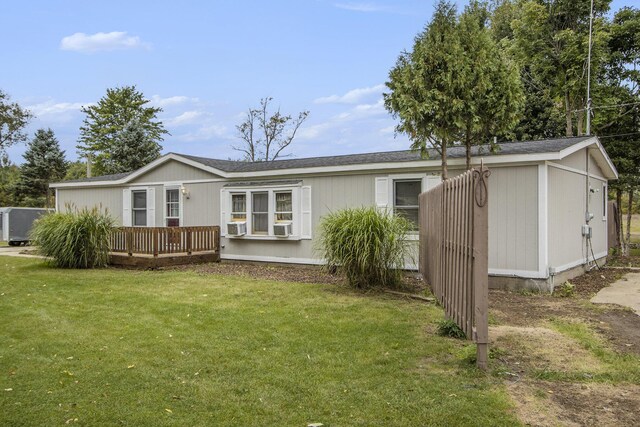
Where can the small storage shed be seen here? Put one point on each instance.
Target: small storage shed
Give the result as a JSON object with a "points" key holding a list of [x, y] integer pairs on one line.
{"points": [[16, 223]]}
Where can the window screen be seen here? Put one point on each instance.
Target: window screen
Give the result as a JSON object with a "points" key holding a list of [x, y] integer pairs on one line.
{"points": [[405, 199], [260, 212], [139, 209]]}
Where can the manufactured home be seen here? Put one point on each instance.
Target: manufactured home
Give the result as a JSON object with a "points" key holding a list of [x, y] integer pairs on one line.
{"points": [[547, 201]]}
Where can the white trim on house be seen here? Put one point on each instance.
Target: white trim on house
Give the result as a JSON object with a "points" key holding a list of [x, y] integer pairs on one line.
{"points": [[525, 274], [577, 263], [576, 171], [543, 220]]}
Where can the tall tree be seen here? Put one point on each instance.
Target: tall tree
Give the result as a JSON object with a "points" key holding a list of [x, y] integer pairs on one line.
{"points": [[425, 94], [617, 110], [44, 163], [266, 135], [13, 120], [76, 170], [552, 40], [104, 126], [9, 176], [490, 83]]}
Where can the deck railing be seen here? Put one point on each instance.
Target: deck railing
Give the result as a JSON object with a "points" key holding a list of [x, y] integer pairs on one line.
{"points": [[165, 240], [454, 251]]}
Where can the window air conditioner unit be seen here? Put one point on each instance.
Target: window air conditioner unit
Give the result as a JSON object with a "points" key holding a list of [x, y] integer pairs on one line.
{"points": [[282, 230], [236, 228]]}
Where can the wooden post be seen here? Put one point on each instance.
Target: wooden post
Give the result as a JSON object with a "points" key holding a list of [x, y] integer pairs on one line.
{"points": [[480, 275], [128, 236], [189, 241], [155, 241]]}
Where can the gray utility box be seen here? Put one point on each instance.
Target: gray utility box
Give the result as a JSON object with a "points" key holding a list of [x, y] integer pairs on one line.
{"points": [[15, 224]]}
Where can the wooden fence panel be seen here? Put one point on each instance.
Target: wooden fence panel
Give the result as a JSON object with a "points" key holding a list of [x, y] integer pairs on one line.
{"points": [[454, 252], [165, 240], [612, 224]]}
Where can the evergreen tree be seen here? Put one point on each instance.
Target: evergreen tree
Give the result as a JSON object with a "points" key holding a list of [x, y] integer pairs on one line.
{"points": [[101, 135], [76, 170], [44, 163], [425, 92], [490, 82]]}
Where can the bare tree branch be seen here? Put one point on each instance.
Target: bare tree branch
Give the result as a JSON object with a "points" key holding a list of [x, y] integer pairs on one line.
{"points": [[277, 132]]}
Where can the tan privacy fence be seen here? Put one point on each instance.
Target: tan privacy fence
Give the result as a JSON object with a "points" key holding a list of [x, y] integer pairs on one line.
{"points": [[454, 252], [165, 240]]}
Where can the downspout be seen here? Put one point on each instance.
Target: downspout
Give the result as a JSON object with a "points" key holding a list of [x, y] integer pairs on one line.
{"points": [[587, 214]]}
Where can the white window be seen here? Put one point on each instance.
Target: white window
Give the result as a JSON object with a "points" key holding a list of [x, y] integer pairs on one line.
{"points": [[262, 208], [405, 199], [139, 208], [172, 207], [239, 207], [260, 213], [284, 206]]}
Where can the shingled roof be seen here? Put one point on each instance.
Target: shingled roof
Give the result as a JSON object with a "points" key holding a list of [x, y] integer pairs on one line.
{"points": [[505, 148]]}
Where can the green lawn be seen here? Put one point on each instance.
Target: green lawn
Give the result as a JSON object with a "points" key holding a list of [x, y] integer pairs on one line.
{"points": [[115, 347]]}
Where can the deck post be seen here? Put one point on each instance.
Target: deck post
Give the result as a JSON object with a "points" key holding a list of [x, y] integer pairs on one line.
{"points": [[155, 241], [128, 236], [189, 241]]}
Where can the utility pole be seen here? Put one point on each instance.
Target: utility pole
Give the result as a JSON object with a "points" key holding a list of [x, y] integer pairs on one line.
{"points": [[589, 73]]}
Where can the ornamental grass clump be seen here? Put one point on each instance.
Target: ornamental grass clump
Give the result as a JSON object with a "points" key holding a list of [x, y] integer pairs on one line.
{"points": [[76, 238], [367, 245]]}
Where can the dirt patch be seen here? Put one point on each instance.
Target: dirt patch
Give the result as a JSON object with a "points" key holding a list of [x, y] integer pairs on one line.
{"points": [[543, 403], [288, 273], [590, 283], [621, 328], [523, 350]]}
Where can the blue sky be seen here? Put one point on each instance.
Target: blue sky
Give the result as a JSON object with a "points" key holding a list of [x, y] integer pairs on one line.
{"points": [[206, 62]]}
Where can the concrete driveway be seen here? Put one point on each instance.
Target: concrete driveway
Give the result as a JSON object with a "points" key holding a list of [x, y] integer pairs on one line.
{"points": [[624, 292], [15, 251]]}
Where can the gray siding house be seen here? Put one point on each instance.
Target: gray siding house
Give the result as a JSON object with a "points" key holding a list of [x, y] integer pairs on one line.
{"points": [[540, 192]]}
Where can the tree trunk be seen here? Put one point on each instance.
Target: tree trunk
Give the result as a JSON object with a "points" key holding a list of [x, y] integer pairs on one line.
{"points": [[444, 160], [621, 246], [580, 124], [567, 111], [629, 212]]}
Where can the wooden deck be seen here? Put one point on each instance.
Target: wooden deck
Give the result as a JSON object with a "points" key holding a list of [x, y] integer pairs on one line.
{"points": [[153, 247]]}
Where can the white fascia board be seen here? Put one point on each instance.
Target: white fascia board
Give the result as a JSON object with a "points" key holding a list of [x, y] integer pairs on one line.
{"points": [[141, 171], [593, 141]]}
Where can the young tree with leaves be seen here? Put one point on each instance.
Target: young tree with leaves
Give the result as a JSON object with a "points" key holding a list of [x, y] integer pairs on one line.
{"points": [[13, 120], [265, 135], [425, 94], [101, 135], [490, 83], [44, 163], [551, 41]]}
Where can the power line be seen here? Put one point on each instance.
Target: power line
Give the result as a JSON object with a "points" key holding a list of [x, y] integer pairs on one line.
{"points": [[620, 134], [608, 106]]}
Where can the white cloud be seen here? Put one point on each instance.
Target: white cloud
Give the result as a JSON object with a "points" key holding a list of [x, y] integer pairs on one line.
{"points": [[158, 101], [352, 97], [359, 113], [387, 130], [186, 118], [50, 108], [90, 43], [361, 7], [206, 132]]}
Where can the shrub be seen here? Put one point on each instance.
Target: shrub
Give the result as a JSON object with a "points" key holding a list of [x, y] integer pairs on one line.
{"points": [[566, 290], [449, 328], [75, 239], [368, 246]]}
